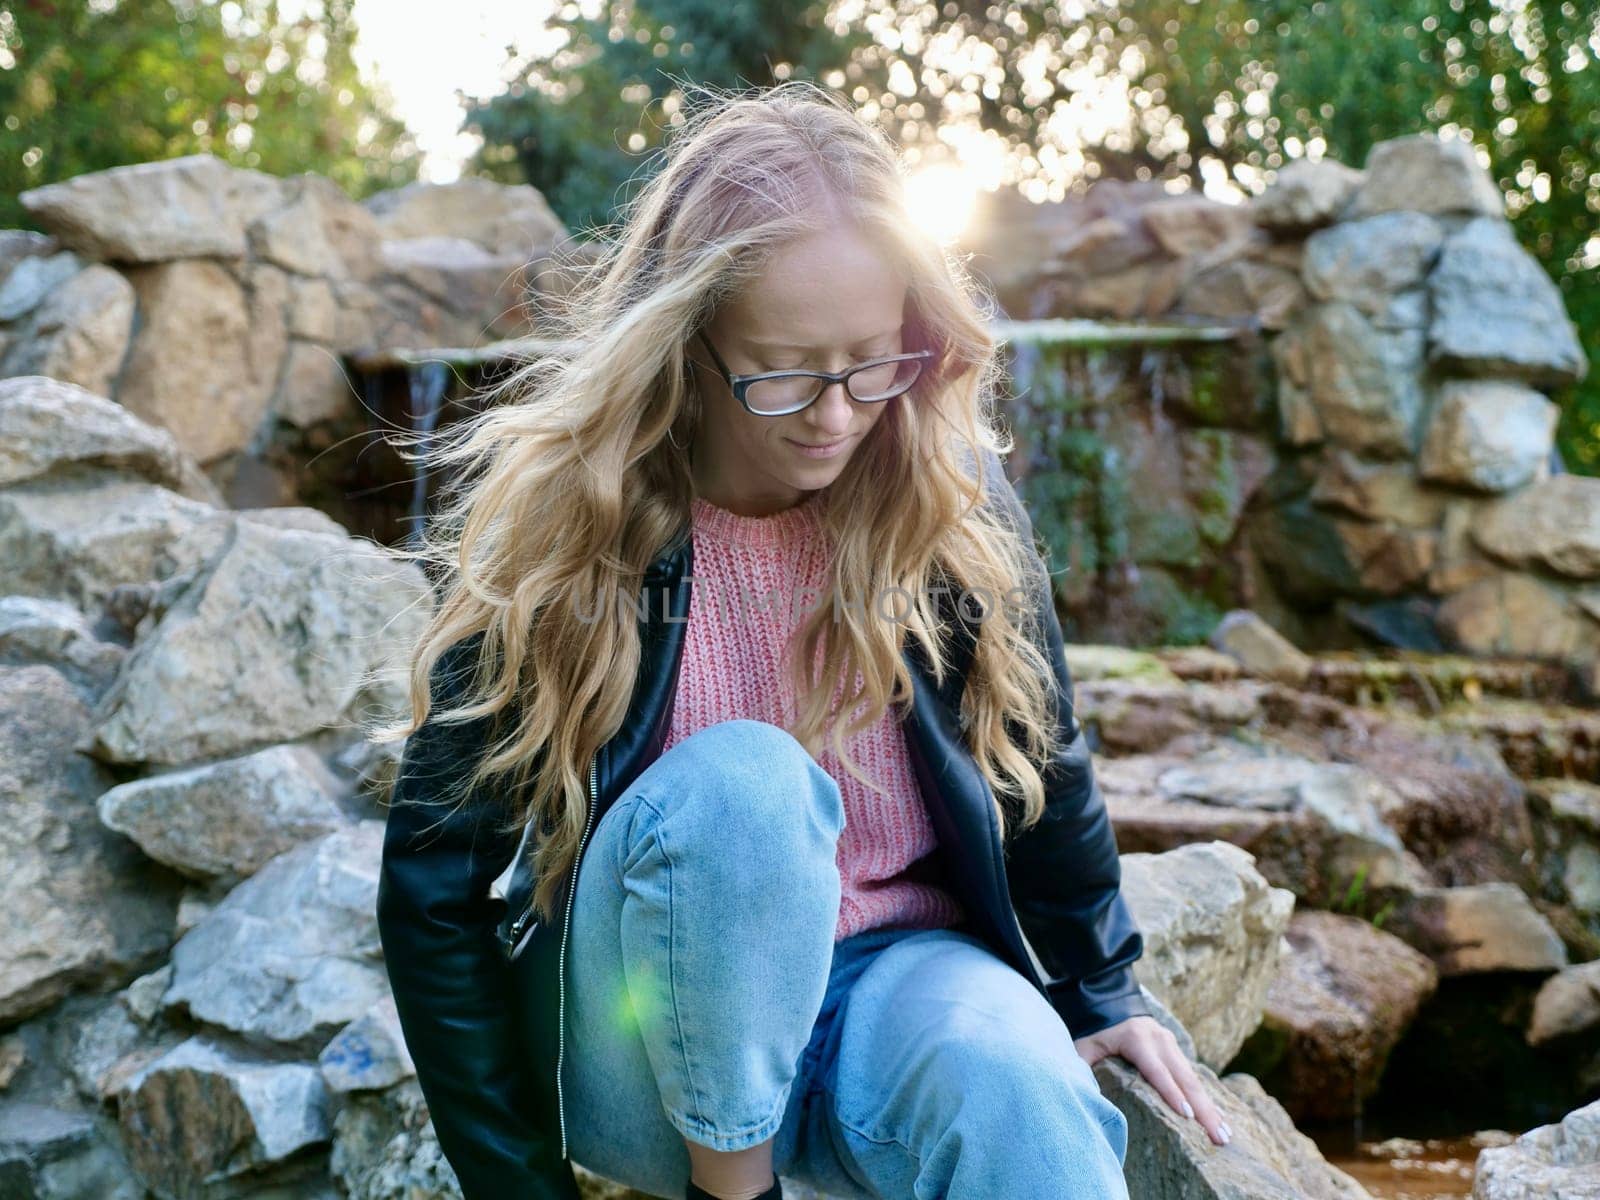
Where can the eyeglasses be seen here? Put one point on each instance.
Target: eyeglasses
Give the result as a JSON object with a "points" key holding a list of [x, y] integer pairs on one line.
{"points": [[779, 393]]}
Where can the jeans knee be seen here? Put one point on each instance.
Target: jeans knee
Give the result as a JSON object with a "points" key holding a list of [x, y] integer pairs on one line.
{"points": [[748, 793], [754, 780]]}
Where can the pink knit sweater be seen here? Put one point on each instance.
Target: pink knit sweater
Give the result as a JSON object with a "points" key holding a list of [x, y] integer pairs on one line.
{"points": [[753, 578]]}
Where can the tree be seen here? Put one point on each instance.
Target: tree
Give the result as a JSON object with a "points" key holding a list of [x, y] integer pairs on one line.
{"points": [[90, 85], [577, 123], [1216, 89]]}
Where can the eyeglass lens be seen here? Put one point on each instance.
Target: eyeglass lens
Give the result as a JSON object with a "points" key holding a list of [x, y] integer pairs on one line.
{"points": [[879, 381]]}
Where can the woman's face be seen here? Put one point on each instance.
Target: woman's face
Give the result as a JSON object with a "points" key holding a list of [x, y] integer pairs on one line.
{"points": [[825, 302]]}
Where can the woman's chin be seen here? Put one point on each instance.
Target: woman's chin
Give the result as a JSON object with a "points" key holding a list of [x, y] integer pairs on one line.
{"points": [[808, 477]]}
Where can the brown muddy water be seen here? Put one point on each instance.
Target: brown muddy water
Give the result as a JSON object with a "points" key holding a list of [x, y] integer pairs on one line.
{"points": [[1404, 1168]]}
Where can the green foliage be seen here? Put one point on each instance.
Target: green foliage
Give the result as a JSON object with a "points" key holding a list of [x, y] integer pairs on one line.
{"points": [[579, 124], [1355, 901], [1352, 900], [86, 86]]}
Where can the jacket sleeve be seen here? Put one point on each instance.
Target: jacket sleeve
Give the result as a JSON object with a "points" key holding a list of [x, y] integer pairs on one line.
{"points": [[451, 983], [1064, 874]]}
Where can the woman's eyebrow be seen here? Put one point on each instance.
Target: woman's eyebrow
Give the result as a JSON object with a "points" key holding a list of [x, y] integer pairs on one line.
{"points": [[774, 345]]}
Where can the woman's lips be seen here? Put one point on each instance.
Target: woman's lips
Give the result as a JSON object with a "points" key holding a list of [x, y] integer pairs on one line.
{"points": [[827, 450]]}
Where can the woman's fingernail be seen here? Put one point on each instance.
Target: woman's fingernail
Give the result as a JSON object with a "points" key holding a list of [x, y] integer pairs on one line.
{"points": [[1188, 1110], [1227, 1134]]}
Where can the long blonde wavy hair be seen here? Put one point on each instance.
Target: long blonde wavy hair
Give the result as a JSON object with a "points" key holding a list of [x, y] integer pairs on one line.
{"points": [[568, 484]]}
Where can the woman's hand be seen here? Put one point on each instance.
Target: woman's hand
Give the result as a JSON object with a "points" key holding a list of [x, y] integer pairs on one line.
{"points": [[1150, 1046]]}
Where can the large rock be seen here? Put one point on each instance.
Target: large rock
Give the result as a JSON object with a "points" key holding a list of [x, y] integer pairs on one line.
{"points": [[83, 907], [1312, 827], [51, 1153], [1425, 173], [314, 309], [202, 1117], [33, 278], [17, 246], [1244, 288], [454, 271], [224, 821], [1488, 435], [1306, 194], [1512, 613], [1551, 1162], [49, 426], [1479, 927], [1459, 560], [384, 1148], [368, 1053], [1098, 246], [1378, 265], [1388, 561], [281, 632], [315, 387], [1186, 225], [1566, 817], [1566, 1004], [1092, 661], [55, 634], [1451, 797], [1496, 311], [317, 231], [1138, 717], [502, 220], [64, 539], [1385, 492], [1259, 648], [389, 312], [195, 206], [79, 334], [1340, 1002], [1365, 383], [100, 1039], [291, 955], [1213, 929], [1144, 290], [1555, 524], [212, 402], [1171, 1158]]}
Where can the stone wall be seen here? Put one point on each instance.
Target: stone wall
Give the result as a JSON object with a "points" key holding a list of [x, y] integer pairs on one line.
{"points": [[1409, 490], [220, 303]]}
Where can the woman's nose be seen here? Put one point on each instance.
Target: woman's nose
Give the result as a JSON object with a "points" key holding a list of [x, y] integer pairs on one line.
{"points": [[833, 411]]}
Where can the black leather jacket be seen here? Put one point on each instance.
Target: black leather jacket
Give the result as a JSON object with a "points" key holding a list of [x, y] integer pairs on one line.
{"points": [[480, 988]]}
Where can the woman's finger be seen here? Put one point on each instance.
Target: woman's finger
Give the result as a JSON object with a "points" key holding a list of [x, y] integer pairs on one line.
{"points": [[1203, 1107], [1146, 1055]]}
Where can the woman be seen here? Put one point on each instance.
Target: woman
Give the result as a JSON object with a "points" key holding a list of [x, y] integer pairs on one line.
{"points": [[870, 938]]}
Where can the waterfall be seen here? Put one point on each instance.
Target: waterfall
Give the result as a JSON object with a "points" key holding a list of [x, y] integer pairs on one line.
{"points": [[427, 381]]}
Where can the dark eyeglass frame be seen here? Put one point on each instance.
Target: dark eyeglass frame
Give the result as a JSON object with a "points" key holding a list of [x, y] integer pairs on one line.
{"points": [[738, 384]]}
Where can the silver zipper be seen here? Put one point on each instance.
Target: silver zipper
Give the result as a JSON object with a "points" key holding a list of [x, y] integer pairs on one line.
{"points": [[561, 962], [516, 940], [519, 943]]}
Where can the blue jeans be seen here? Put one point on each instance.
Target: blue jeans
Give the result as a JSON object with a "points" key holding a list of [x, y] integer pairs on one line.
{"points": [[706, 998]]}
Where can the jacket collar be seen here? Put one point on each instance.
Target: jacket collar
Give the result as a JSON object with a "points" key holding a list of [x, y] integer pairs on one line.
{"points": [[671, 563]]}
